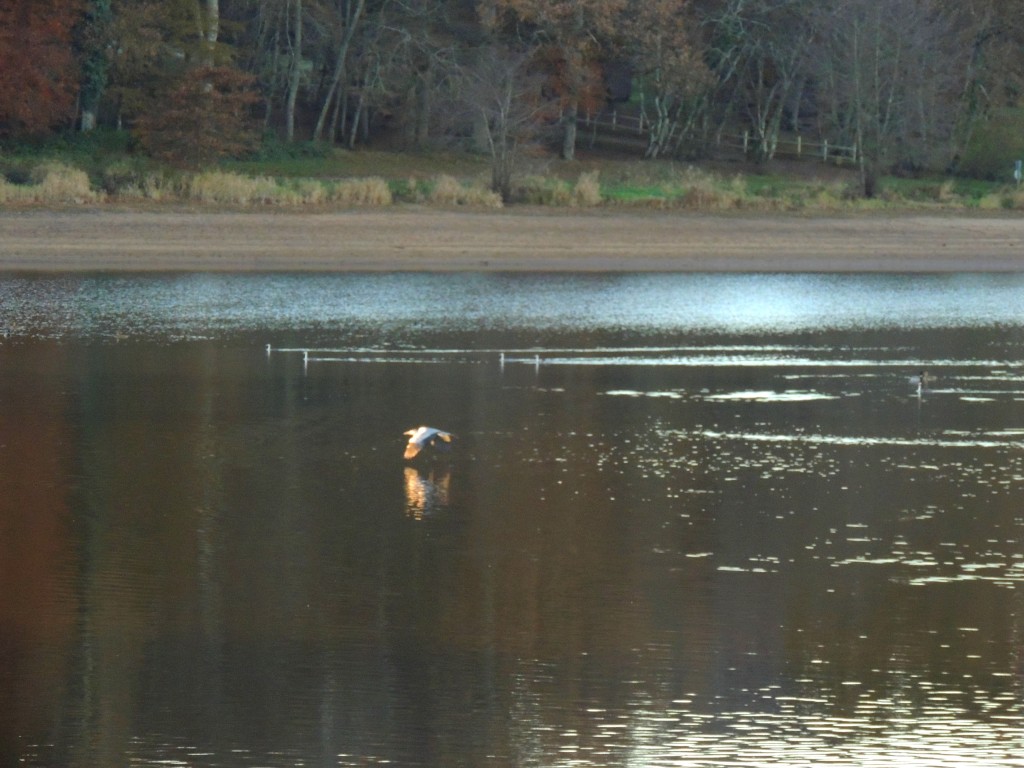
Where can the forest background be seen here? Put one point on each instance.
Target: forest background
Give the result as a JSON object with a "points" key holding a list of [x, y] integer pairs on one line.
{"points": [[896, 88]]}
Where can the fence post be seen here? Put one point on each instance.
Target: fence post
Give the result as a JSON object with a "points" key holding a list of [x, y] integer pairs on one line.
{"points": [[799, 145], [615, 118], [824, 151], [746, 138]]}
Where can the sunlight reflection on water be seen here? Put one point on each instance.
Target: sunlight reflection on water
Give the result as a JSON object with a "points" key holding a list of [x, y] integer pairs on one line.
{"points": [[201, 304]]}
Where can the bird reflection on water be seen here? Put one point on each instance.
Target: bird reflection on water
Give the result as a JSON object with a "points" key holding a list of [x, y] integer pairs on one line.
{"points": [[427, 491]]}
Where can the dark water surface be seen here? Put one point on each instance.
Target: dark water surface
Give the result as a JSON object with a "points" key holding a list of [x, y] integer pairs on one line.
{"points": [[689, 520]]}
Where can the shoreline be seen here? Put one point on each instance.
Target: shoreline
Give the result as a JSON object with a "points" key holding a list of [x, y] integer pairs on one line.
{"points": [[518, 240]]}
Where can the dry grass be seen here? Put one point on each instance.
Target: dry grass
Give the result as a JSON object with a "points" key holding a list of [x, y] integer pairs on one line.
{"points": [[302, 192], [555, 192], [447, 191], [233, 189], [52, 183], [543, 190], [371, 192], [701, 192], [1002, 200], [56, 182], [1011, 199], [587, 191], [11, 193], [224, 188]]}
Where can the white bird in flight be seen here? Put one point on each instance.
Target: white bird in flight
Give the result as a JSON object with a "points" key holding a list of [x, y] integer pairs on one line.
{"points": [[421, 437]]}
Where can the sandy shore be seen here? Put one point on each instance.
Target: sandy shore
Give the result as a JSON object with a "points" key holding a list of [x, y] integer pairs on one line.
{"points": [[417, 239]]}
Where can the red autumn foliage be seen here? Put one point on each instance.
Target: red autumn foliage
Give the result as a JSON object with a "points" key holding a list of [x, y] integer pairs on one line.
{"points": [[38, 71], [570, 33], [206, 115]]}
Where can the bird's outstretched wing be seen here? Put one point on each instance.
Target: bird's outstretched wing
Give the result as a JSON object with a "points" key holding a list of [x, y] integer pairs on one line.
{"points": [[422, 437], [442, 441]]}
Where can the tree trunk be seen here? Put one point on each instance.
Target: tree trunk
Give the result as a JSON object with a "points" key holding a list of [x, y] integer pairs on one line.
{"points": [[569, 136], [338, 113], [210, 29], [355, 123], [869, 177], [421, 135], [339, 67], [295, 75], [663, 126], [95, 62], [212, 21]]}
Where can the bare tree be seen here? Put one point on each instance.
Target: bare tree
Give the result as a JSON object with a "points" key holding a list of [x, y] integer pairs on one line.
{"points": [[349, 14], [503, 96], [94, 38], [209, 15], [992, 31], [671, 74], [890, 74], [294, 67], [572, 36], [758, 51], [419, 48], [776, 67]]}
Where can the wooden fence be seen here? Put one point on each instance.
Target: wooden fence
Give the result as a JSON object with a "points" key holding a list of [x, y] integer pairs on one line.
{"points": [[796, 147], [615, 122], [786, 146]]}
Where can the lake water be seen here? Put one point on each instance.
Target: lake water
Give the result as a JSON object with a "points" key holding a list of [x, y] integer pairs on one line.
{"points": [[689, 520]]}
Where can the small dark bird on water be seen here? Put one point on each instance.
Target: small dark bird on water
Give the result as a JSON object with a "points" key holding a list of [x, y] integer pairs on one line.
{"points": [[424, 437]]}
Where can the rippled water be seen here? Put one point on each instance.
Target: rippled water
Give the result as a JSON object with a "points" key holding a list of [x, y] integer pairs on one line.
{"points": [[399, 307], [689, 520]]}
